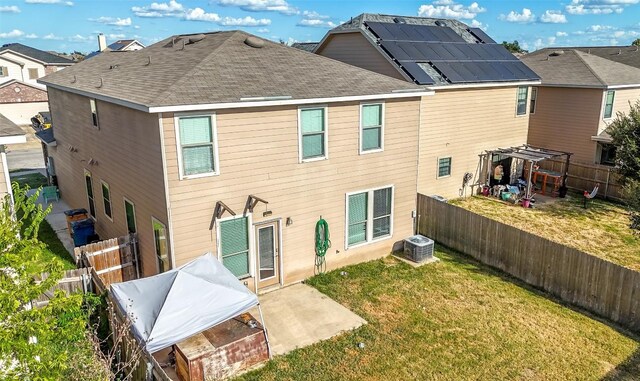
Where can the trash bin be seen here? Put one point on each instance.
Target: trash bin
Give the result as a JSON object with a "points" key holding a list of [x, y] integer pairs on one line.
{"points": [[75, 215], [82, 231]]}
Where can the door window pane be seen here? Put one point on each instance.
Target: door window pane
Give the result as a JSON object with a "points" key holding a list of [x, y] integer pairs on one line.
{"points": [[267, 253], [234, 246]]}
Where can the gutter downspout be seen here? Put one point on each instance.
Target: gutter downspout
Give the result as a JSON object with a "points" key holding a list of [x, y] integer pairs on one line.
{"points": [[166, 191]]}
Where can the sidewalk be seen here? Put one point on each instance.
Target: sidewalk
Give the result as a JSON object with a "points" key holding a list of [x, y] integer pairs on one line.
{"points": [[58, 221]]}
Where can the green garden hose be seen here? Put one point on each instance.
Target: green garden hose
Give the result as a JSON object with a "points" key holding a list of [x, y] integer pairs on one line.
{"points": [[323, 243]]}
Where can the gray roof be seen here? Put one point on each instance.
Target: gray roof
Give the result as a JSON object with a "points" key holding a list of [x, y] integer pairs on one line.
{"points": [[306, 46], [8, 128], [458, 54], [220, 68], [575, 68], [36, 54], [115, 46], [46, 135], [628, 55]]}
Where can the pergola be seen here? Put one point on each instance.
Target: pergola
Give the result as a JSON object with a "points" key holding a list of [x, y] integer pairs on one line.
{"points": [[533, 155]]}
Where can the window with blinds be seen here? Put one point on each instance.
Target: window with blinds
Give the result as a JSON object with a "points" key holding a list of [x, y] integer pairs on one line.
{"points": [[313, 133], [234, 246], [444, 166], [523, 92], [197, 145], [369, 216], [371, 127], [608, 105]]}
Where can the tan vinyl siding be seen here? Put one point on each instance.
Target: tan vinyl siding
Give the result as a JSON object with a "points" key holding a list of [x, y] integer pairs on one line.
{"points": [[355, 49], [462, 124], [566, 119], [128, 154], [259, 156], [620, 104], [4, 187]]}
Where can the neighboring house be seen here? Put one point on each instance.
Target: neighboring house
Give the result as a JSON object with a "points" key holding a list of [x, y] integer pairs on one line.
{"points": [[628, 55], [118, 46], [184, 159], [21, 97], [579, 97], [10, 133], [307, 46], [482, 90]]}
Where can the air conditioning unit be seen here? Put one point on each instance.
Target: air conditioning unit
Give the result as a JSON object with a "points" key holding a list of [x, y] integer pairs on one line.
{"points": [[418, 248]]}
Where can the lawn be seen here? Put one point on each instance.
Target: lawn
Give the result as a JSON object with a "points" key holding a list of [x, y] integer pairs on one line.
{"points": [[33, 180], [601, 230], [55, 247], [455, 320]]}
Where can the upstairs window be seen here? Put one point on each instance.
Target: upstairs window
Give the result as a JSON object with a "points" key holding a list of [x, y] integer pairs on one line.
{"points": [[4, 71], [532, 102], [313, 133], [608, 105], [94, 112], [523, 92], [371, 119], [444, 166], [196, 135], [33, 73]]}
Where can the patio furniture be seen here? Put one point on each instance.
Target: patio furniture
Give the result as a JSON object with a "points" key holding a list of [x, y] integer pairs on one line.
{"points": [[588, 196], [50, 193], [556, 177]]}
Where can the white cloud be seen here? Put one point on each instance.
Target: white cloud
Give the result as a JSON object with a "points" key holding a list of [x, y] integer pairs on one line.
{"points": [[244, 21], [172, 8], [79, 38], [561, 34], [599, 28], [551, 40], [12, 34], [537, 44], [477, 24], [68, 3], [315, 20], [553, 17], [10, 9], [598, 7], [116, 36], [280, 6], [263, 30], [525, 17], [199, 14], [113, 21], [51, 36], [31, 35], [450, 9]]}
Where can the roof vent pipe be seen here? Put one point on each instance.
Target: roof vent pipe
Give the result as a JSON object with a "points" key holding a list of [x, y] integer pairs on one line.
{"points": [[441, 23], [619, 51], [254, 42], [399, 20]]}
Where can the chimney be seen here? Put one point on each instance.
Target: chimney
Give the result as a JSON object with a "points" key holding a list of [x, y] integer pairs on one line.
{"points": [[102, 42]]}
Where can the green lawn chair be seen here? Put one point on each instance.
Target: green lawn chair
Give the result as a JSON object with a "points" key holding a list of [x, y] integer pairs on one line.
{"points": [[50, 193]]}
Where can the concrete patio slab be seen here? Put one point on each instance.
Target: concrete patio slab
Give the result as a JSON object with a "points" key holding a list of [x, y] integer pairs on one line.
{"points": [[300, 315]]}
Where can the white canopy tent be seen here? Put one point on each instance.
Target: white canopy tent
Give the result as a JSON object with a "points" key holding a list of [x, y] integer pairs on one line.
{"points": [[170, 307]]}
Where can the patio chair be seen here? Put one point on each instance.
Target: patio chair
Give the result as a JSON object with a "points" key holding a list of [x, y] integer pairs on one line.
{"points": [[588, 196], [50, 193]]}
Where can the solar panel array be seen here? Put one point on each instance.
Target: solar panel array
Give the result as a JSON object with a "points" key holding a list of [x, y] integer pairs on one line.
{"points": [[450, 55]]}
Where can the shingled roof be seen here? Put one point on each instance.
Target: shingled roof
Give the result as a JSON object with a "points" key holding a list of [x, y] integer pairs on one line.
{"points": [[36, 54], [575, 68], [628, 55], [219, 67]]}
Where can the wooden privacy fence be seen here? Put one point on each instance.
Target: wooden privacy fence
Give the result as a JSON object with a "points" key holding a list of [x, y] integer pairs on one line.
{"points": [[78, 280], [583, 177], [112, 261], [602, 287]]}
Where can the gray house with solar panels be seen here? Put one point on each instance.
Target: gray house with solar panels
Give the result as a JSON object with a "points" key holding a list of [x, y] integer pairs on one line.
{"points": [[483, 92]]}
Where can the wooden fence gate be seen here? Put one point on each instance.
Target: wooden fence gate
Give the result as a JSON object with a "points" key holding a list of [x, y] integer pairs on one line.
{"points": [[112, 261]]}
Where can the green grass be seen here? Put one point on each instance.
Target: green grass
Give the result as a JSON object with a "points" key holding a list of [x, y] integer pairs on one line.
{"points": [[601, 230], [33, 180], [55, 248], [454, 320]]}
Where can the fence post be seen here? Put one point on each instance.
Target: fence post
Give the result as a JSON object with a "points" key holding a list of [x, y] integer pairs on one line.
{"points": [[606, 188]]}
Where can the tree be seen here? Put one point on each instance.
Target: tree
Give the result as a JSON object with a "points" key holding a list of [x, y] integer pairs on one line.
{"points": [[514, 47], [636, 42], [44, 342], [625, 134]]}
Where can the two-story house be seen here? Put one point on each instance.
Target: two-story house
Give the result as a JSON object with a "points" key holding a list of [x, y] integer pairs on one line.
{"points": [[228, 143], [482, 91], [10, 133], [579, 97], [21, 96], [129, 45]]}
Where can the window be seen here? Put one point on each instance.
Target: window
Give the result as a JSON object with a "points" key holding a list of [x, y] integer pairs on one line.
{"points": [[607, 154], [33, 74], [106, 199], [444, 166], [532, 102], [89, 188], [4, 71], [130, 216], [523, 91], [313, 133], [234, 246], [369, 216], [94, 112], [161, 245], [371, 117], [197, 145], [608, 106]]}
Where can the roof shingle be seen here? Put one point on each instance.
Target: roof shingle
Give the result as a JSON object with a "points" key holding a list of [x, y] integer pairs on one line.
{"points": [[36, 54]]}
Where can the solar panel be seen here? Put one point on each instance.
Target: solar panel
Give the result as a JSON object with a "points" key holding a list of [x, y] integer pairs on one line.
{"points": [[446, 70], [417, 73], [481, 35], [413, 32]]}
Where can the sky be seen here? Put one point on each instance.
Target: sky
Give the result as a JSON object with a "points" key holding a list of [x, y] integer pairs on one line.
{"points": [[73, 25]]}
